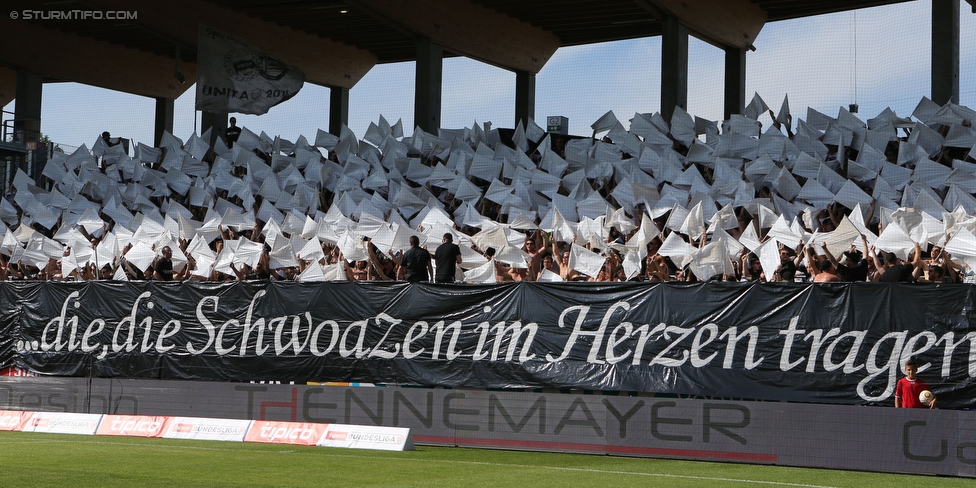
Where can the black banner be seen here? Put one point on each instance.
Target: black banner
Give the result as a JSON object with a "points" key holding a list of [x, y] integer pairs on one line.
{"points": [[841, 343]]}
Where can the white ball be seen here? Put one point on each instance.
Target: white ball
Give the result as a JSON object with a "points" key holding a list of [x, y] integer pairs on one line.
{"points": [[925, 397]]}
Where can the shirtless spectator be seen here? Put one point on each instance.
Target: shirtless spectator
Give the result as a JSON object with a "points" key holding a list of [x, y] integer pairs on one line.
{"points": [[565, 272], [381, 268], [609, 270], [827, 273], [933, 274], [656, 269], [359, 271], [517, 274], [536, 245], [823, 269], [851, 267], [502, 271], [939, 268], [549, 263]]}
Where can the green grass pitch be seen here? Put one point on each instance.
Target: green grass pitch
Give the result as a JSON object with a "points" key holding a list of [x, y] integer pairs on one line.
{"points": [[37, 460]]}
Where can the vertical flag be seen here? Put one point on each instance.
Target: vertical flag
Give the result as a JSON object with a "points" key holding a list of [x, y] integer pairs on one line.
{"points": [[233, 76]]}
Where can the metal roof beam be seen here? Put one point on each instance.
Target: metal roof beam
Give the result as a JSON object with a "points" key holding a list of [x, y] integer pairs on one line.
{"points": [[724, 23], [470, 30], [8, 85], [66, 56], [324, 61]]}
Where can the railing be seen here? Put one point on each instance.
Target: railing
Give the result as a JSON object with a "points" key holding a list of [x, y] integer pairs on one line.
{"points": [[20, 147], [15, 131]]}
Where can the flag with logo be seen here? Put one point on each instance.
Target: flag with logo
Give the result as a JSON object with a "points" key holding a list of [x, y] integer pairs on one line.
{"points": [[233, 76]]}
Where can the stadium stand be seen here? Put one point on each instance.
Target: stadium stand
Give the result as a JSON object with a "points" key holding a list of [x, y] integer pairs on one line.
{"points": [[680, 199]]}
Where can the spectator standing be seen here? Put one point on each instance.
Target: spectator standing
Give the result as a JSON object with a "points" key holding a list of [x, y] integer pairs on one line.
{"points": [[934, 274], [565, 272], [823, 270], [447, 257], [536, 246], [163, 268], [415, 264], [908, 388], [109, 140], [851, 267], [106, 272], [787, 264], [752, 268], [233, 132], [549, 263], [896, 271]]}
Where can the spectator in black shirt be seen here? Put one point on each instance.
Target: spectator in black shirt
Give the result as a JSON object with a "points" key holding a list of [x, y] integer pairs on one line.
{"points": [[852, 267], [447, 257], [109, 140], [415, 264], [897, 271], [163, 269], [787, 264], [232, 133]]}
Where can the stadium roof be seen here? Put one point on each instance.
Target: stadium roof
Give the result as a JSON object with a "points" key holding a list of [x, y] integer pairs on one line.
{"points": [[337, 42]]}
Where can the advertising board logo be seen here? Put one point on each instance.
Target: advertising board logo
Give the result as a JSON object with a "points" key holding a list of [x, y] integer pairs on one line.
{"points": [[378, 438], [285, 432], [9, 421], [965, 451], [131, 425]]}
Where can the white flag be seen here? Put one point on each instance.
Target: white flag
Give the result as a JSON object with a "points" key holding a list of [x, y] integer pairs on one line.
{"points": [[585, 261], [233, 76]]}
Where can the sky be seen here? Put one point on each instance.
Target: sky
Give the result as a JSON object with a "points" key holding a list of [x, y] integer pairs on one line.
{"points": [[877, 58]]}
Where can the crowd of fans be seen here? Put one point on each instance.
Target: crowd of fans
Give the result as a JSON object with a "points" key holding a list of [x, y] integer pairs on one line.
{"points": [[681, 200]]}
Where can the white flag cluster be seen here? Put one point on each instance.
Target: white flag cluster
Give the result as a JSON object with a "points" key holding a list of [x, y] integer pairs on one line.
{"points": [[389, 187]]}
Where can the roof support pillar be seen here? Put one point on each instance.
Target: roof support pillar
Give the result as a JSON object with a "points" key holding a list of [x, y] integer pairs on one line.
{"points": [[674, 66], [8, 85], [735, 81], [427, 97], [338, 109], [27, 118], [945, 51], [164, 118], [27, 110], [524, 97], [216, 122]]}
